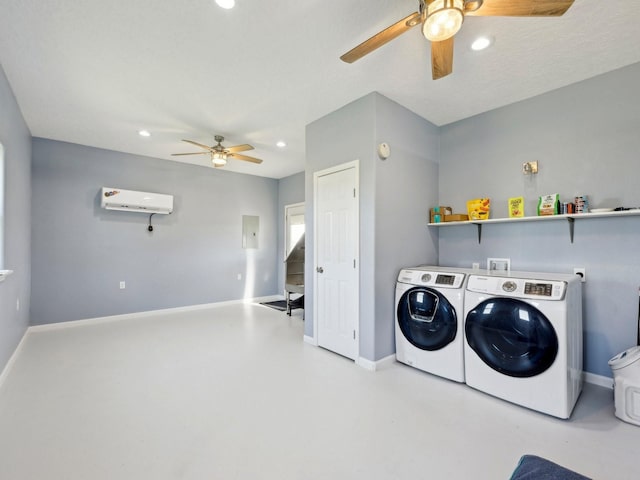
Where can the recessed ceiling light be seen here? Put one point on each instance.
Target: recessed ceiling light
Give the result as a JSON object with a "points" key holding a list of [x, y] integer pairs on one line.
{"points": [[281, 144], [226, 3], [481, 43], [144, 133]]}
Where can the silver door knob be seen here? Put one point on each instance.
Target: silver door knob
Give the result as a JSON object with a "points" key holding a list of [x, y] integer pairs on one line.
{"points": [[319, 269]]}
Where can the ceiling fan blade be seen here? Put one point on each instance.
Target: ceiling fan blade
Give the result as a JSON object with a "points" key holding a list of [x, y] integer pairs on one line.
{"points": [[246, 158], [239, 148], [206, 147], [521, 8], [381, 38], [441, 58], [193, 153]]}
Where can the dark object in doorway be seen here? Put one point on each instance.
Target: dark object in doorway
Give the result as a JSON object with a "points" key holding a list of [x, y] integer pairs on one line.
{"points": [[282, 304], [296, 303], [277, 305]]}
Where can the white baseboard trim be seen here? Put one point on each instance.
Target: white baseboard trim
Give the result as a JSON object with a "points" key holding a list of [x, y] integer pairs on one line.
{"points": [[599, 380], [310, 340], [149, 313], [12, 359], [378, 364]]}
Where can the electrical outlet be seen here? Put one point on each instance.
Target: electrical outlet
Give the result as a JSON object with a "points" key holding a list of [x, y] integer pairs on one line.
{"points": [[122, 285], [475, 265], [582, 272]]}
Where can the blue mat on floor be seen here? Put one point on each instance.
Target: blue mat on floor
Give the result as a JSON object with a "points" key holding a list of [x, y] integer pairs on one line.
{"points": [[531, 467]]}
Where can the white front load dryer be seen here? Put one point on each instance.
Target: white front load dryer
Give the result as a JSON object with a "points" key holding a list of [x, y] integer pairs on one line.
{"points": [[429, 320], [523, 339]]}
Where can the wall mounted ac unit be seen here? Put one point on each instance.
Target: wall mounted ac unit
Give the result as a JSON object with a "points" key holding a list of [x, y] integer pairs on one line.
{"points": [[132, 201]]}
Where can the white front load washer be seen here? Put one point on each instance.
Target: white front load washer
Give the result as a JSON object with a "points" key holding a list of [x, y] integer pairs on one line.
{"points": [[429, 320], [523, 339]]}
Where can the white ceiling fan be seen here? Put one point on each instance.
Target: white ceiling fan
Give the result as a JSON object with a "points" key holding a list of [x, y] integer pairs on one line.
{"points": [[219, 154]]}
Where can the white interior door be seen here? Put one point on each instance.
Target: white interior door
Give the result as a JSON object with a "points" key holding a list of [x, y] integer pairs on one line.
{"points": [[337, 263]]}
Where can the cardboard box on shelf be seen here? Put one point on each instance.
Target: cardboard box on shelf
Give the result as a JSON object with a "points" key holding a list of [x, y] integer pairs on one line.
{"points": [[437, 214], [456, 217]]}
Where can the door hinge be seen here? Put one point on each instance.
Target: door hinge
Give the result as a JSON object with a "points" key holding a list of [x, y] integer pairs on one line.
{"points": [[354, 193], [354, 263], [354, 334]]}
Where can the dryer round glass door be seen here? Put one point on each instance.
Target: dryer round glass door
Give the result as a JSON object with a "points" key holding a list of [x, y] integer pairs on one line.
{"points": [[427, 319], [512, 337]]}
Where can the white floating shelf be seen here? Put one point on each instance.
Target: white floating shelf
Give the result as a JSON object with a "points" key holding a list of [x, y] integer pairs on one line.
{"points": [[570, 217]]}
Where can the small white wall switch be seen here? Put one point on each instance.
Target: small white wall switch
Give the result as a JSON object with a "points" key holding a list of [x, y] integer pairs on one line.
{"points": [[4, 274], [122, 285], [239, 276]]}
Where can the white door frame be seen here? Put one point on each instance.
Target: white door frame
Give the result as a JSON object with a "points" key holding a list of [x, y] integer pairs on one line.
{"points": [[316, 175]]}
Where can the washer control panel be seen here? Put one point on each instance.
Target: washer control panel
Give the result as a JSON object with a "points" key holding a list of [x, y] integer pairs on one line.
{"points": [[517, 287], [446, 279], [432, 278], [542, 289]]}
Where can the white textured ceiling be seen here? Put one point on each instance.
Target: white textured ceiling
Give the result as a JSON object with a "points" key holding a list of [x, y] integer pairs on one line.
{"points": [[95, 72]]}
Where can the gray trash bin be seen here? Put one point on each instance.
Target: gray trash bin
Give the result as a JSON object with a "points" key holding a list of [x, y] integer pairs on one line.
{"points": [[626, 384]]}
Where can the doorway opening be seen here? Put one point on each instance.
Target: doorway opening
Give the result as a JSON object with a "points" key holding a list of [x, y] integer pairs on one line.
{"points": [[294, 256]]}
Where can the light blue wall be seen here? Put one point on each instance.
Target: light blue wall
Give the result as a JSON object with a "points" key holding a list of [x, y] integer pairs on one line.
{"points": [[394, 195], [586, 138], [290, 191], [16, 139], [81, 252], [406, 185], [343, 136]]}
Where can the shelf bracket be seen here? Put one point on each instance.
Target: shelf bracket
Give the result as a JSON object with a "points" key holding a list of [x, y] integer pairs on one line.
{"points": [[572, 222], [479, 225]]}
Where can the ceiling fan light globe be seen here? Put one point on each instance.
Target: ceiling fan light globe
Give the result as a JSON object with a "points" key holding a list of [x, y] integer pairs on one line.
{"points": [[444, 19], [219, 159]]}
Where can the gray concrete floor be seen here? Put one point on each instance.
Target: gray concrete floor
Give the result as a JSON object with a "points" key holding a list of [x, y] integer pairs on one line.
{"points": [[232, 392]]}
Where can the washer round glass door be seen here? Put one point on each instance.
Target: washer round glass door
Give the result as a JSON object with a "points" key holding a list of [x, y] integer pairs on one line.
{"points": [[426, 318], [512, 337]]}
